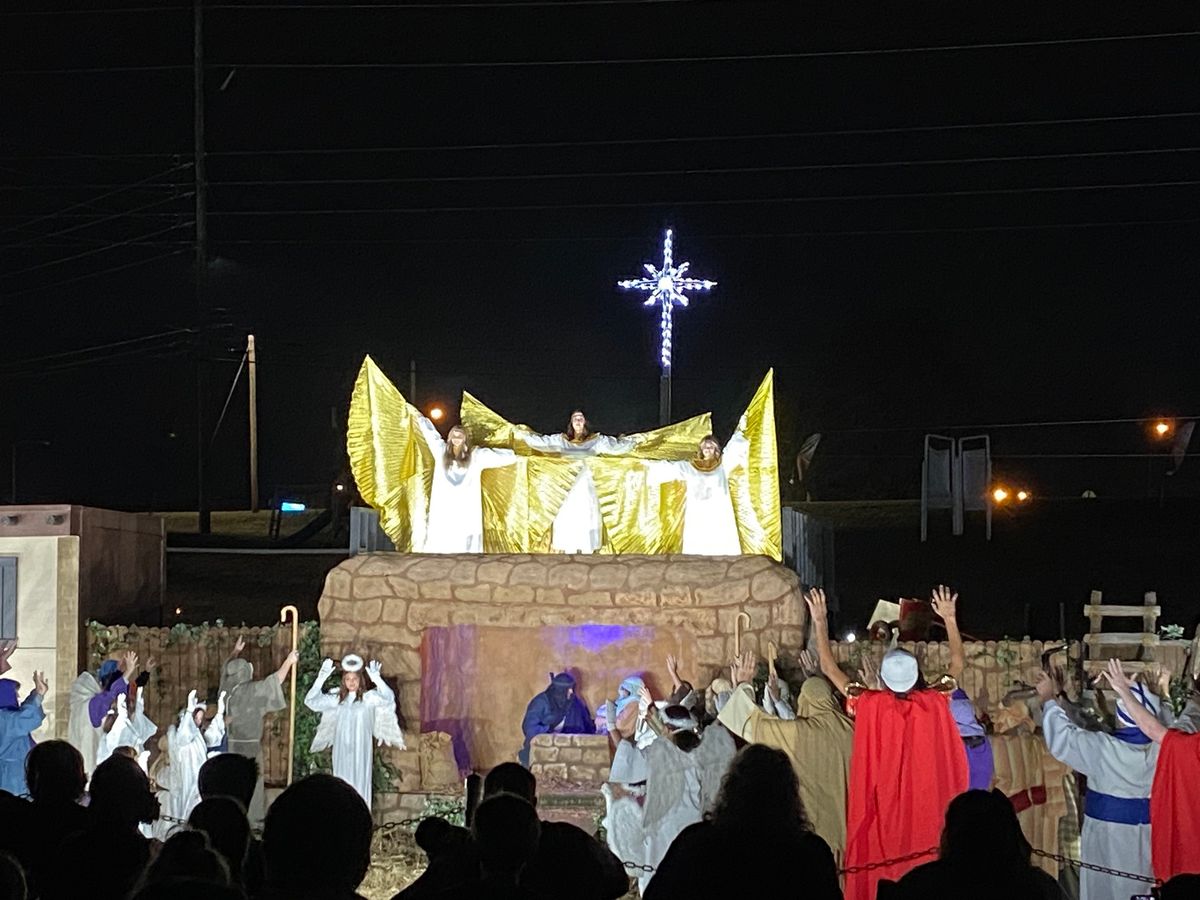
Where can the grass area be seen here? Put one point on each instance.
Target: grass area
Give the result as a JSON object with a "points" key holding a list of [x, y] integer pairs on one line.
{"points": [[239, 522]]}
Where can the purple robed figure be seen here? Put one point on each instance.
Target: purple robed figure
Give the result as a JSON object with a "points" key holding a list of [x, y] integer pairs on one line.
{"points": [[979, 750]]}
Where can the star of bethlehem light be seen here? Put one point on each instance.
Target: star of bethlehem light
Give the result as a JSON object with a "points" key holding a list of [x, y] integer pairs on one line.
{"points": [[666, 287]]}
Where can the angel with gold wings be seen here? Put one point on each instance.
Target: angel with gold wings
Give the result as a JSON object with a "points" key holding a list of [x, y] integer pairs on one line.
{"points": [[569, 492]]}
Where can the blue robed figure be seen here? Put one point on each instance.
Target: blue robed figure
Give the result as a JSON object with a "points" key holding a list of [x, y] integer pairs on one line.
{"points": [[556, 709], [17, 722]]}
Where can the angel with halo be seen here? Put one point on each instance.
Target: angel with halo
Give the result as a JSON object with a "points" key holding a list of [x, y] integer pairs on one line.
{"points": [[359, 711]]}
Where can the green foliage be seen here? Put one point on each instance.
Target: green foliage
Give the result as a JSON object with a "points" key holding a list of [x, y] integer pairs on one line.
{"points": [[304, 762], [1180, 691], [1171, 632], [446, 808]]}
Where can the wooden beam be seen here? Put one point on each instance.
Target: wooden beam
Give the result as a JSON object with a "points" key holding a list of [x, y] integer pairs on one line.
{"points": [[1138, 612]]}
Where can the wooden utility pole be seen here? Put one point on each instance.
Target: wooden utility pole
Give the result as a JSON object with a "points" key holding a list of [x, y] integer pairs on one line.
{"points": [[412, 382], [201, 264], [252, 369]]}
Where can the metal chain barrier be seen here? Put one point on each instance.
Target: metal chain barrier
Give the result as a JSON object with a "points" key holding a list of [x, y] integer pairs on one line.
{"points": [[884, 863], [1103, 870]]}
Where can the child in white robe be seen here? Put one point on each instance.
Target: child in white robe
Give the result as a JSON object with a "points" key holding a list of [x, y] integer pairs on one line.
{"points": [[188, 747], [128, 730]]}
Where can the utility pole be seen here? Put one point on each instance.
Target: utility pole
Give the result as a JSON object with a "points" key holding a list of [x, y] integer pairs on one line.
{"points": [[664, 398], [201, 264], [252, 368], [412, 382]]}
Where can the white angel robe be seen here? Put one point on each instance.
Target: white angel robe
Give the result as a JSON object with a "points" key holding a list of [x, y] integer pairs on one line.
{"points": [[577, 526], [709, 526], [351, 727], [455, 523], [129, 731], [188, 749], [1116, 822]]}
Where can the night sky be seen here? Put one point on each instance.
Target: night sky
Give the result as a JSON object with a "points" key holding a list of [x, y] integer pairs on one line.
{"points": [[915, 239]]}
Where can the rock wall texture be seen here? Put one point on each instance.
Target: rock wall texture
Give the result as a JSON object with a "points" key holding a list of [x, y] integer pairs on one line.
{"points": [[570, 760], [469, 639]]}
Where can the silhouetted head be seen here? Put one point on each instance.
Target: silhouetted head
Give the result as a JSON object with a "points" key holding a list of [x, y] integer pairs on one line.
{"points": [[229, 775], [759, 796], [511, 778], [223, 820], [982, 830], [317, 840], [507, 832], [187, 855], [1181, 887], [121, 795], [54, 772], [12, 878]]}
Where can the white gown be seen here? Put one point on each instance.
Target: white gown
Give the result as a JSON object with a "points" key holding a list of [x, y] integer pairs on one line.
{"points": [[709, 526], [129, 731], [1118, 770], [577, 526], [352, 727], [456, 503], [188, 749]]}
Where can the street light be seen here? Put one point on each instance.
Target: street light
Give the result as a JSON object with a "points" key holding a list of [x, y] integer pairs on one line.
{"points": [[436, 413], [999, 495], [12, 488], [1162, 428]]}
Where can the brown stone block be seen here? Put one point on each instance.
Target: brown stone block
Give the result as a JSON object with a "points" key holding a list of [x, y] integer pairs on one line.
{"points": [[432, 568], [435, 590], [696, 570], [647, 575], [607, 576], [464, 571], [774, 583], [582, 774], [726, 593], [375, 564], [402, 663], [493, 572], [570, 754], [711, 651], [544, 755], [563, 740], [337, 583], [596, 758], [748, 566], [531, 573], [483, 614], [550, 595], [396, 632], [760, 617], [572, 575], [645, 597], [366, 612], [792, 638], [789, 610], [590, 598], [544, 740], [366, 588], [422, 615], [403, 587], [337, 632], [555, 771], [475, 593], [520, 593], [675, 595], [354, 562]]}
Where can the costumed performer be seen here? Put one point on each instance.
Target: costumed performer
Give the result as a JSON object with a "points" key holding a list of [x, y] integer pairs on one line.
{"points": [[558, 710], [188, 747], [817, 741], [980, 762], [125, 727], [907, 764], [456, 502], [577, 525], [92, 696], [1175, 836], [248, 703], [709, 526], [18, 721], [1120, 770], [356, 715]]}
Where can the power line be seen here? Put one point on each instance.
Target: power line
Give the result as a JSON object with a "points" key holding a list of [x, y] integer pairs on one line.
{"points": [[103, 217], [720, 201], [628, 61], [80, 351], [245, 7], [618, 142], [94, 251], [43, 287], [1052, 423]]}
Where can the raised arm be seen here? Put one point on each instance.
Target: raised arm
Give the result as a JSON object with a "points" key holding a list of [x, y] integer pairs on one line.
{"points": [[432, 437], [492, 457], [539, 441], [316, 699], [99, 705], [737, 448], [818, 608], [215, 732], [283, 671], [1142, 717], [384, 695], [945, 604]]}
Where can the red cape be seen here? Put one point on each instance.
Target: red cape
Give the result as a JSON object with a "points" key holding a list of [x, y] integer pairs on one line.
{"points": [[1174, 812], [908, 764]]}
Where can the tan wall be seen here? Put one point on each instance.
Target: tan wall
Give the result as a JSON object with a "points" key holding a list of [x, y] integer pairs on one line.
{"points": [[380, 605], [47, 629]]}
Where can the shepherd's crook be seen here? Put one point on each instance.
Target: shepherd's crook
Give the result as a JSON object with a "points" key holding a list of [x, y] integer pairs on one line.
{"points": [[283, 617], [737, 632]]}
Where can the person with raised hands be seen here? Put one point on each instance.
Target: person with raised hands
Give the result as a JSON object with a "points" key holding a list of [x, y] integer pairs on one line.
{"points": [[18, 721], [188, 748]]}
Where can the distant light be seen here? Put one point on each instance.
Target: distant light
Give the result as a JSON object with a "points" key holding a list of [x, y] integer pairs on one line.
{"points": [[436, 413], [851, 637], [292, 506], [999, 495], [1162, 428], [340, 487], [1022, 496], [179, 610]]}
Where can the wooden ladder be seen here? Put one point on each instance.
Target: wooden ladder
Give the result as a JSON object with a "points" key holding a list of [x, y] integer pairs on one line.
{"points": [[1098, 641]]}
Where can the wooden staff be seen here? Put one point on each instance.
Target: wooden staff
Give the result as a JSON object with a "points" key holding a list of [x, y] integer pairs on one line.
{"points": [[737, 632], [772, 655], [283, 617]]}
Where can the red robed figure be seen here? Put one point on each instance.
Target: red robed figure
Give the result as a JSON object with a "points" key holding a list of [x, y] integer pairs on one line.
{"points": [[1174, 812], [908, 764]]}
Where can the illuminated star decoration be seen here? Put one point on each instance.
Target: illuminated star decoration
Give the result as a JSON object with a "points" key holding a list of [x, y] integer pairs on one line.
{"points": [[666, 287]]}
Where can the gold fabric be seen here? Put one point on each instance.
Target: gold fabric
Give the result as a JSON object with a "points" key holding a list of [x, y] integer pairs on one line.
{"points": [[394, 471], [391, 463], [755, 489], [817, 742]]}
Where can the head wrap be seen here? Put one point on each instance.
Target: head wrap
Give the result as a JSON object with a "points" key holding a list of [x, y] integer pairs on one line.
{"points": [[1127, 729], [352, 662], [238, 672], [560, 684], [679, 718], [633, 684], [8, 694], [563, 679], [899, 671]]}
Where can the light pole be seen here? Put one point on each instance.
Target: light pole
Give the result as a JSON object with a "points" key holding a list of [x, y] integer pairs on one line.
{"points": [[12, 491]]}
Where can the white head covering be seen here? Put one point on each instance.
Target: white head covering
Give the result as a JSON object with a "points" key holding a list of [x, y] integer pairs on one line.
{"points": [[352, 662], [1124, 719], [899, 670]]}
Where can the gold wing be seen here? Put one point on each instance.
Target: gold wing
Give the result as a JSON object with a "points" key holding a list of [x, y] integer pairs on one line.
{"points": [[754, 488]]}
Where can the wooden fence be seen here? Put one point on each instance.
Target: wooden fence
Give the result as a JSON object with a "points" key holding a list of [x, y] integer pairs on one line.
{"points": [[191, 658]]}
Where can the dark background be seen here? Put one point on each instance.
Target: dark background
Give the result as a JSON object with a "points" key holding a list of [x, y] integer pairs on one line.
{"points": [[1024, 290]]}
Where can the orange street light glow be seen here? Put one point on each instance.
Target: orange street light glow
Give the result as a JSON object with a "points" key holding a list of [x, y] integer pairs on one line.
{"points": [[1022, 496], [1162, 429], [436, 414], [999, 495]]}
